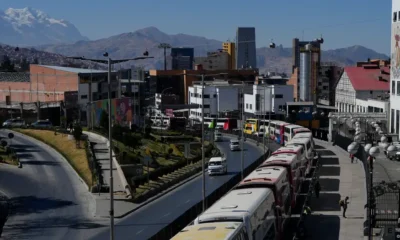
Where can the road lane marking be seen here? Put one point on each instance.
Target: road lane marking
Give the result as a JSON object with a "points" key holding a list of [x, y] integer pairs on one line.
{"points": [[165, 215], [138, 232], [187, 201]]}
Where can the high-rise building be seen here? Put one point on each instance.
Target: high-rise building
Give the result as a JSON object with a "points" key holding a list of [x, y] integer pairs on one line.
{"points": [[305, 68], [246, 48], [229, 47], [182, 58], [395, 69]]}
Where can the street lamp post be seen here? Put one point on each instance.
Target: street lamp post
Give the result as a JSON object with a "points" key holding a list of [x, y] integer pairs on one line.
{"points": [[161, 105], [109, 63], [202, 134]]}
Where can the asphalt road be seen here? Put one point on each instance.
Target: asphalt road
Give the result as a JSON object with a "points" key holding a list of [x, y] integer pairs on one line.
{"points": [[48, 200], [147, 221]]}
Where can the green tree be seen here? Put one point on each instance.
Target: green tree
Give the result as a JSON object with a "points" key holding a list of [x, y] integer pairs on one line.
{"points": [[24, 65], [7, 65], [35, 61], [104, 120], [77, 134]]}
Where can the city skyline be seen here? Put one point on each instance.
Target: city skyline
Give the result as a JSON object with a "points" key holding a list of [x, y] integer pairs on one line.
{"points": [[285, 22]]}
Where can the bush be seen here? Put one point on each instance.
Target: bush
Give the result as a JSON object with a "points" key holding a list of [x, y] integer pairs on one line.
{"points": [[104, 120]]}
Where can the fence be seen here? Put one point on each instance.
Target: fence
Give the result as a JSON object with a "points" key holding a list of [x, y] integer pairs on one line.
{"points": [[385, 196]]}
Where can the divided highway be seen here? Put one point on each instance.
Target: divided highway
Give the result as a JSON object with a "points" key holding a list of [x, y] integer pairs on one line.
{"points": [[47, 198], [147, 221]]}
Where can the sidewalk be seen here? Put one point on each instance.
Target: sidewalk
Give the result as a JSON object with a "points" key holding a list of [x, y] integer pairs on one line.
{"points": [[338, 178]]}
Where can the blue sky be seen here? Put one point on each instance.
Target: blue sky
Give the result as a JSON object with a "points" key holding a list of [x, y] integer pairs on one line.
{"points": [[341, 22]]}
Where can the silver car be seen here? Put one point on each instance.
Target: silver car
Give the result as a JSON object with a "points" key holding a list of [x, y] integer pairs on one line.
{"points": [[14, 123], [234, 145]]}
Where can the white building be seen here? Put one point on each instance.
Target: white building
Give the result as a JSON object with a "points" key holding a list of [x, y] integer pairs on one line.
{"points": [[363, 88], [266, 96], [219, 97], [395, 69]]}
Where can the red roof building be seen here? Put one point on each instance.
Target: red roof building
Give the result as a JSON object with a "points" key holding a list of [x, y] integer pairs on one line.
{"points": [[363, 88]]}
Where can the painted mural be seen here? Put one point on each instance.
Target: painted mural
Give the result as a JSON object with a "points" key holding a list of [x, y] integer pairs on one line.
{"points": [[121, 109], [395, 51]]}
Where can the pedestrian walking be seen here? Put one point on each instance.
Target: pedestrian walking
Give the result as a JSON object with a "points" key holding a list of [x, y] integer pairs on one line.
{"points": [[317, 189], [344, 203], [352, 158]]}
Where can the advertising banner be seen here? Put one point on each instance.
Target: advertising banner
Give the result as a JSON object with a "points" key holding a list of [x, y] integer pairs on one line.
{"points": [[121, 110]]}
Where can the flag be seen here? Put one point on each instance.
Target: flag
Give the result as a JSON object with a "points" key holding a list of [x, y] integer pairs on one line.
{"points": [[212, 124]]}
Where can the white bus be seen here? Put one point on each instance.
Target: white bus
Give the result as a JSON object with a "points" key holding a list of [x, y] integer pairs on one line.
{"points": [[305, 135], [214, 231], [289, 160], [307, 145], [276, 179], [255, 208], [289, 131]]}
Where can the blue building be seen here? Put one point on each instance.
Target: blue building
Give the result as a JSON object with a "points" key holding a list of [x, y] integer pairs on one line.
{"points": [[182, 58]]}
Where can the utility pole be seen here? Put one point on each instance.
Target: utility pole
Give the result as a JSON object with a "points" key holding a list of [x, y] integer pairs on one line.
{"points": [[242, 138], [165, 46], [109, 63]]}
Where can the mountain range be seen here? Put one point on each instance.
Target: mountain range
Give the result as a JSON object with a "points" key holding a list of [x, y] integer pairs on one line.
{"points": [[53, 39], [133, 44], [28, 27]]}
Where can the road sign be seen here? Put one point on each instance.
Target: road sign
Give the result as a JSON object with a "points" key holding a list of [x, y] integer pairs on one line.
{"points": [[11, 135]]}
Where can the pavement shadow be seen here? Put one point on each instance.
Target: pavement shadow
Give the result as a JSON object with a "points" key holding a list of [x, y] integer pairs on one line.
{"points": [[24, 150], [25, 155], [318, 147], [329, 185], [328, 227], [31, 204], [326, 202], [329, 171], [24, 146], [40, 163], [326, 153], [35, 229], [329, 161]]}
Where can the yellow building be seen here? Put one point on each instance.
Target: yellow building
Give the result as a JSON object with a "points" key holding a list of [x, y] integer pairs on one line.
{"points": [[229, 47]]}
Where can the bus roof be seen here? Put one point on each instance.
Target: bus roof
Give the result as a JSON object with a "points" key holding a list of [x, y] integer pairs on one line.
{"points": [[236, 204], [264, 175], [293, 126], [299, 141], [284, 159], [216, 159], [212, 231], [303, 135], [288, 149], [302, 129]]}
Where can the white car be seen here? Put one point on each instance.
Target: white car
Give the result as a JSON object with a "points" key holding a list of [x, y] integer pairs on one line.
{"points": [[217, 165], [234, 145]]}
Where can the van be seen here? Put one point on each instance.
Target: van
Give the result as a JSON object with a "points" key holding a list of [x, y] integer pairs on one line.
{"points": [[217, 137], [217, 165], [234, 145]]}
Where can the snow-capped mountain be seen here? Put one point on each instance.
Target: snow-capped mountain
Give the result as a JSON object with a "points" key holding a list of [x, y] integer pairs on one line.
{"points": [[30, 27]]}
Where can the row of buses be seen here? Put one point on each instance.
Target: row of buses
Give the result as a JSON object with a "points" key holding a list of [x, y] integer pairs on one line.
{"points": [[259, 206], [279, 131]]}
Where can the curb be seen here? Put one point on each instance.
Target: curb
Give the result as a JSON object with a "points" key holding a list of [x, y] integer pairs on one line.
{"points": [[121, 175], [152, 199]]}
